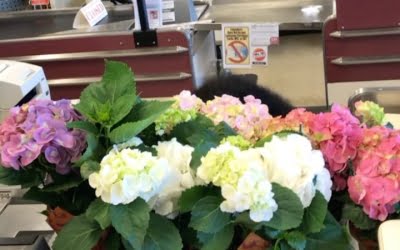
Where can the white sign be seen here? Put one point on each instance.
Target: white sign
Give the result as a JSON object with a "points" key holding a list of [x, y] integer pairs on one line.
{"points": [[168, 12], [154, 14], [90, 15], [159, 12], [236, 45], [246, 45]]}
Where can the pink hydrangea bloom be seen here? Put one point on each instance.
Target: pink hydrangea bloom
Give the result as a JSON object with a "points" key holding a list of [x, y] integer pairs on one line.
{"points": [[188, 101], [377, 195], [40, 127], [249, 119], [376, 183], [338, 135]]}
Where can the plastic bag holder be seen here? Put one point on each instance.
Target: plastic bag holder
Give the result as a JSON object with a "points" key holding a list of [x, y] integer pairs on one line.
{"points": [[146, 37]]}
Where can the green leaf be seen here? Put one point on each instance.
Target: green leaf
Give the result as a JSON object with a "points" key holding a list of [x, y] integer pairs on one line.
{"points": [[26, 177], [126, 244], [89, 167], [244, 220], [63, 183], [120, 73], [80, 233], [271, 233], [191, 196], [84, 125], [110, 100], [146, 110], [36, 194], [199, 151], [113, 241], [283, 245], [224, 130], [94, 151], [332, 236], [220, 240], [128, 130], [207, 217], [131, 221], [314, 215], [296, 240], [357, 216], [281, 134], [162, 235], [290, 210], [196, 131], [100, 212]]}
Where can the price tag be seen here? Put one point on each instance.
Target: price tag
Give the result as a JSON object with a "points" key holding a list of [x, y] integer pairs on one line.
{"points": [[94, 12], [89, 15], [40, 2]]}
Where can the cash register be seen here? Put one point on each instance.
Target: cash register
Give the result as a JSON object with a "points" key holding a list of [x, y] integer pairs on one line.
{"points": [[21, 224]]}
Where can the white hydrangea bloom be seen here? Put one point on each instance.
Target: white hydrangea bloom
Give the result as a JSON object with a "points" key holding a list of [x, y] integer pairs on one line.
{"points": [[182, 177], [291, 162], [253, 192], [324, 184], [129, 174], [243, 180]]}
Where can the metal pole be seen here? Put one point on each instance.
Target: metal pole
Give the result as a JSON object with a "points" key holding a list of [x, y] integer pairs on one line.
{"points": [[142, 9]]}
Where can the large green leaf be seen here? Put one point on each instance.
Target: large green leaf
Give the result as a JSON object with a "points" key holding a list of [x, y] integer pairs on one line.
{"points": [[191, 196], [296, 240], [84, 125], [199, 151], [80, 233], [89, 167], [196, 131], [110, 100], [207, 217], [314, 215], [131, 221], [357, 216], [94, 150], [100, 212], [290, 210], [162, 235], [220, 240], [147, 109], [26, 177], [128, 130], [332, 236], [121, 73]]}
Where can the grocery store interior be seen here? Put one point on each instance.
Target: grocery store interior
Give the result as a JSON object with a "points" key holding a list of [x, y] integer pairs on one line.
{"points": [[312, 53]]}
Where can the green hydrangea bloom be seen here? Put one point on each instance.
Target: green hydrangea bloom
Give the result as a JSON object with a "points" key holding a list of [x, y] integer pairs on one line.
{"points": [[371, 113], [238, 141]]}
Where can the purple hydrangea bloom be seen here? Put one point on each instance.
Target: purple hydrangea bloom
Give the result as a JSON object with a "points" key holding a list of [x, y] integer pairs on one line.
{"points": [[39, 127]]}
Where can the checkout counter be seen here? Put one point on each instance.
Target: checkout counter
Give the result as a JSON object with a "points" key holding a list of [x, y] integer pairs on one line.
{"points": [[65, 54]]}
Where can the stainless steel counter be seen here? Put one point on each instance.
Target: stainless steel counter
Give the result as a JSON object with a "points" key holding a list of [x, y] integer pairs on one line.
{"points": [[25, 24], [285, 12]]}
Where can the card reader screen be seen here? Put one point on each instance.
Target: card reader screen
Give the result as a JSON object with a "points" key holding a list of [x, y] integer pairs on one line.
{"points": [[27, 97]]}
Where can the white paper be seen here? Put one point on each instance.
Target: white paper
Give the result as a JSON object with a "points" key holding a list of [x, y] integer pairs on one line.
{"points": [[168, 10], [154, 14], [90, 15], [264, 34]]}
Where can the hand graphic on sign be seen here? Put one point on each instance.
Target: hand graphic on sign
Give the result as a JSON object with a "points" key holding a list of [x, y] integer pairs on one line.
{"points": [[237, 52]]}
